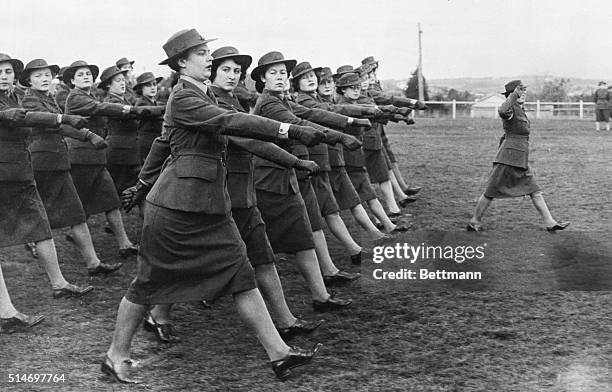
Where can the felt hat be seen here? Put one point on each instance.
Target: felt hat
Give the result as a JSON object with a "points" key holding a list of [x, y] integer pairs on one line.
{"points": [[108, 74], [349, 79], [303, 68], [34, 65], [17, 64], [229, 52], [68, 73], [145, 78], [268, 59], [182, 41]]}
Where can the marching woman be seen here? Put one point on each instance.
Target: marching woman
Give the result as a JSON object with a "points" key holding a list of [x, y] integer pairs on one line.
{"points": [[88, 165], [271, 76], [511, 175], [148, 128], [191, 248], [22, 214], [348, 88], [51, 160], [305, 84]]}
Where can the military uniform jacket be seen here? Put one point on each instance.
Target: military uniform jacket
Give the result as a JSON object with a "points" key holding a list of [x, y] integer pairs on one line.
{"points": [[514, 149], [357, 158], [602, 98], [85, 104], [194, 178], [61, 93], [150, 125], [121, 135], [15, 164]]}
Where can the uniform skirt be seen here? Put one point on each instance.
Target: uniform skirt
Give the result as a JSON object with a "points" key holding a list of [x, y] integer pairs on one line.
{"points": [[376, 166], [510, 181], [124, 176], [189, 256], [95, 188], [60, 198], [22, 214], [344, 191], [145, 141], [325, 194], [253, 232], [312, 205], [287, 224], [361, 183], [602, 115]]}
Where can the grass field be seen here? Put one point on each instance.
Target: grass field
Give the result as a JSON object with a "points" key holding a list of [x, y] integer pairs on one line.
{"points": [[538, 321]]}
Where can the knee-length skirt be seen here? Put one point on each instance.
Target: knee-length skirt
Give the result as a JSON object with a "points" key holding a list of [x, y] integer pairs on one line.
{"points": [[124, 176], [253, 232], [361, 183], [325, 194], [344, 191], [510, 181], [145, 141], [376, 166], [22, 214], [95, 188], [60, 198], [287, 224], [312, 205], [189, 256]]}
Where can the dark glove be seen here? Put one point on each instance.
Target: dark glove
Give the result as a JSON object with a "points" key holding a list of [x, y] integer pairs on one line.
{"points": [[310, 166], [140, 111], [420, 105], [388, 108], [361, 122], [157, 111], [98, 142], [350, 142], [308, 136], [372, 111], [13, 115], [74, 121], [133, 196], [404, 111]]}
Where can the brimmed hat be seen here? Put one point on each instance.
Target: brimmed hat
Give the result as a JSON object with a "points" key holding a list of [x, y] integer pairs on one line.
{"points": [[17, 64], [511, 85], [271, 59], [349, 79], [343, 69], [324, 73], [182, 41], [370, 62], [229, 52], [303, 68], [33, 66], [602, 83], [108, 74], [123, 61], [68, 73], [145, 78]]}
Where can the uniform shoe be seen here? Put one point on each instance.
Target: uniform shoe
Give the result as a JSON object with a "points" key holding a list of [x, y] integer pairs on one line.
{"points": [[356, 258], [399, 229], [394, 216], [104, 268], [474, 227], [296, 357], [31, 247], [131, 250], [300, 327], [404, 202], [412, 191], [71, 290], [332, 303], [20, 323], [120, 372], [558, 226], [340, 277], [165, 332]]}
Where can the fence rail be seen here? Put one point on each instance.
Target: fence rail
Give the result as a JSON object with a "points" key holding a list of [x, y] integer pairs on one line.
{"points": [[541, 109]]}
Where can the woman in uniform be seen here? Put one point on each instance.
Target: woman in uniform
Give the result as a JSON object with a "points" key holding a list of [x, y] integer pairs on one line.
{"points": [[191, 248], [88, 165], [148, 128], [51, 161], [22, 214], [511, 175]]}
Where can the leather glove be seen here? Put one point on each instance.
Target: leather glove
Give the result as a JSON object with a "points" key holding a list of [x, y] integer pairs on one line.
{"points": [[372, 111], [310, 166], [308, 136], [157, 111], [13, 115], [98, 141], [350, 142], [420, 105], [388, 108], [140, 111], [404, 111], [361, 122], [78, 122], [133, 196]]}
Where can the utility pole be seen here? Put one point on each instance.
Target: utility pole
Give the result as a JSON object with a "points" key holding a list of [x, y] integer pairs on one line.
{"points": [[420, 69]]}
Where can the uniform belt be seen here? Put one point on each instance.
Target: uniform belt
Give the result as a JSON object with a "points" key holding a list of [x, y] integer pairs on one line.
{"points": [[514, 136], [221, 155]]}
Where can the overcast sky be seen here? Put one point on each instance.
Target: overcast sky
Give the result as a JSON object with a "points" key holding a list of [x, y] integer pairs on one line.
{"points": [[460, 38]]}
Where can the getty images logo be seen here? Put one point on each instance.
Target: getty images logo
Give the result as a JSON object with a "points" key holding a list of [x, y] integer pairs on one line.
{"points": [[411, 253]]}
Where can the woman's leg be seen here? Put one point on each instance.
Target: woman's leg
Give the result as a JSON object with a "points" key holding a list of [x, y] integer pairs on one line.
{"points": [[82, 239], [387, 192], [47, 254], [129, 317], [325, 262], [538, 201], [338, 228], [361, 216], [481, 207], [398, 175], [397, 189], [380, 213], [7, 310], [308, 264], [115, 221], [253, 311], [271, 289], [161, 313]]}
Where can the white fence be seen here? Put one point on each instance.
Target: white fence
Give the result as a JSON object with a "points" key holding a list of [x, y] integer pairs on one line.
{"points": [[541, 109]]}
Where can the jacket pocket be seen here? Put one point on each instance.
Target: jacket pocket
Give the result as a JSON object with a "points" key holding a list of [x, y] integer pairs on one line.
{"points": [[197, 166]]}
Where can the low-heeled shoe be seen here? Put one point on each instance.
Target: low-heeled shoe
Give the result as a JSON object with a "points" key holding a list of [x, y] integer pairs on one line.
{"points": [[31, 247], [296, 357], [104, 268], [356, 258], [300, 327], [131, 250], [71, 290], [404, 202], [20, 323], [395, 216], [340, 277], [399, 229], [332, 303], [108, 230], [473, 227], [119, 372], [412, 191], [165, 333], [558, 226]]}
